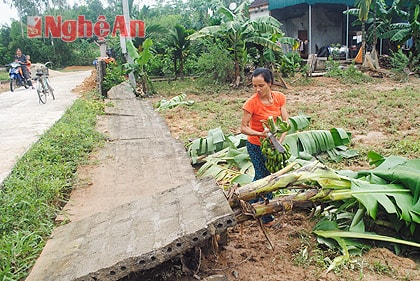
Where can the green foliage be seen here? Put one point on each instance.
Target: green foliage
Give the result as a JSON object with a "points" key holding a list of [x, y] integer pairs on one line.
{"points": [[39, 184], [240, 32], [84, 52], [160, 65], [399, 61], [333, 68], [178, 43], [347, 75], [290, 64], [386, 196], [140, 60], [215, 64], [4, 75], [415, 63], [114, 76]]}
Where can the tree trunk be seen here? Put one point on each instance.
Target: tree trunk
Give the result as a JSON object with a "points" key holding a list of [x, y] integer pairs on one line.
{"points": [[181, 67], [363, 41], [317, 183]]}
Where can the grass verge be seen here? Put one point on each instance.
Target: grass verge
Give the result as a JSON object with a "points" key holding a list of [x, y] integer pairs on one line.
{"points": [[39, 185]]}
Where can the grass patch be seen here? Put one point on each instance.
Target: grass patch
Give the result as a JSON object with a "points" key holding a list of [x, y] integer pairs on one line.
{"points": [[4, 75], [214, 106], [39, 185], [358, 109], [348, 75]]}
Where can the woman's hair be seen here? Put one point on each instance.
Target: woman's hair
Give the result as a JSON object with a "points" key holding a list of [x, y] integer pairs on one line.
{"points": [[265, 73]]}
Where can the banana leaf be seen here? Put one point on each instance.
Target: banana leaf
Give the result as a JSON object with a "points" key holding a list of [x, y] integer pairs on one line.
{"points": [[385, 195], [229, 163], [402, 171], [298, 123], [173, 102], [347, 243], [315, 142], [334, 234], [215, 141]]}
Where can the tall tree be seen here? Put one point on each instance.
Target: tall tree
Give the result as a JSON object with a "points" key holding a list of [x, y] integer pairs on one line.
{"points": [[177, 41]]}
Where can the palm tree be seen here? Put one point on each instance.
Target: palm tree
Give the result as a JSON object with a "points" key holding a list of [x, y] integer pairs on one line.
{"points": [[178, 42]]}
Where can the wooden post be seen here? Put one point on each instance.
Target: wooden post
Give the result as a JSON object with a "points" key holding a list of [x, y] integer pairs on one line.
{"points": [[101, 71]]}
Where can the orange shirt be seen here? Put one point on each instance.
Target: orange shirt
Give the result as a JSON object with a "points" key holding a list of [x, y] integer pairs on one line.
{"points": [[261, 111]]}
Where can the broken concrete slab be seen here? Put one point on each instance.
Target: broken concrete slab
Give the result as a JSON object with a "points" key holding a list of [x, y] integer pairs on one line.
{"points": [[135, 236]]}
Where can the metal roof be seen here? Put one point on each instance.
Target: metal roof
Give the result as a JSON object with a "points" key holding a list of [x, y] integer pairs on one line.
{"points": [[278, 4], [258, 3]]}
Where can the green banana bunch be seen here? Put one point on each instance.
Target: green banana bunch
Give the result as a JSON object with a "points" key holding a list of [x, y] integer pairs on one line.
{"points": [[276, 126], [275, 160]]}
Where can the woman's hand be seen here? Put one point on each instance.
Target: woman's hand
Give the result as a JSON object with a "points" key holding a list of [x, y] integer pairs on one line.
{"points": [[265, 132]]}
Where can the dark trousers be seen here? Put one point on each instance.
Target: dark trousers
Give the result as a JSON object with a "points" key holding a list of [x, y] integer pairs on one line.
{"points": [[26, 75], [258, 161]]}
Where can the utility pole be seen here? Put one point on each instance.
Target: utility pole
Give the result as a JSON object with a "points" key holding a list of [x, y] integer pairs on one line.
{"points": [[123, 41]]}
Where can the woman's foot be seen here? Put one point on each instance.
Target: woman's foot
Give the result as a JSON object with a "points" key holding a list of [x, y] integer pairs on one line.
{"points": [[270, 223], [268, 220]]}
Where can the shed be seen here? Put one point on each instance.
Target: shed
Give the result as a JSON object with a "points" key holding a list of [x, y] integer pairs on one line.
{"points": [[321, 22]]}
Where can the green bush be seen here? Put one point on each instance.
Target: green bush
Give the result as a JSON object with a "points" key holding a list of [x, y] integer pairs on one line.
{"points": [[333, 68], [160, 65], [347, 75], [415, 64], [399, 61], [216, 64], [290, 64], [114, 76]]}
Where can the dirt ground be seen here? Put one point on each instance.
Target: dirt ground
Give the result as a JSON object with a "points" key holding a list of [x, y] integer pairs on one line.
{"points": [[248, 256]]}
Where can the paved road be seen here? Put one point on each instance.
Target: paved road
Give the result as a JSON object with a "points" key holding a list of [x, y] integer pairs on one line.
{"points": [[23, 119]]}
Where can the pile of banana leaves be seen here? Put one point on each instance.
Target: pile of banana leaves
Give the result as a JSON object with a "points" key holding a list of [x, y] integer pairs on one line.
{"points": [[225, 158], [354, 208], [354, 203]]}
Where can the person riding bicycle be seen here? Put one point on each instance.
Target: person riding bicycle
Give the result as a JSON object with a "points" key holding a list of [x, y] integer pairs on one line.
{"points": [[21, 58]]}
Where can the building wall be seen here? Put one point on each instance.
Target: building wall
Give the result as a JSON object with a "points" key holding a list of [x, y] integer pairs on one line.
{"points": [[259, 12], [328, 23]]}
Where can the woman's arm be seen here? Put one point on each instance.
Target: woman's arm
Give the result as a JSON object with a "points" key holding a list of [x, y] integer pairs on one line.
{"points": [[245, 129]]}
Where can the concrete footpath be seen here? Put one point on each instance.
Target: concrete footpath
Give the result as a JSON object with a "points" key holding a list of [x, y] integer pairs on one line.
{"points": [[23, 119], [141, 204]]}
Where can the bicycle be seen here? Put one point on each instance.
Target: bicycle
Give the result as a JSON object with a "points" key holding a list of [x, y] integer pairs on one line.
{"points": [[43, 87]]}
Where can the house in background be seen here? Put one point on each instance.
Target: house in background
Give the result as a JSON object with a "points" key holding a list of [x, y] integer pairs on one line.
{"points": [[320, 22]]}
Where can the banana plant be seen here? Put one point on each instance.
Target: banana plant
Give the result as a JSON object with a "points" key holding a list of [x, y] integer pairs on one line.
{"points": [[239, 32], [140, 58], [407, 28]]}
